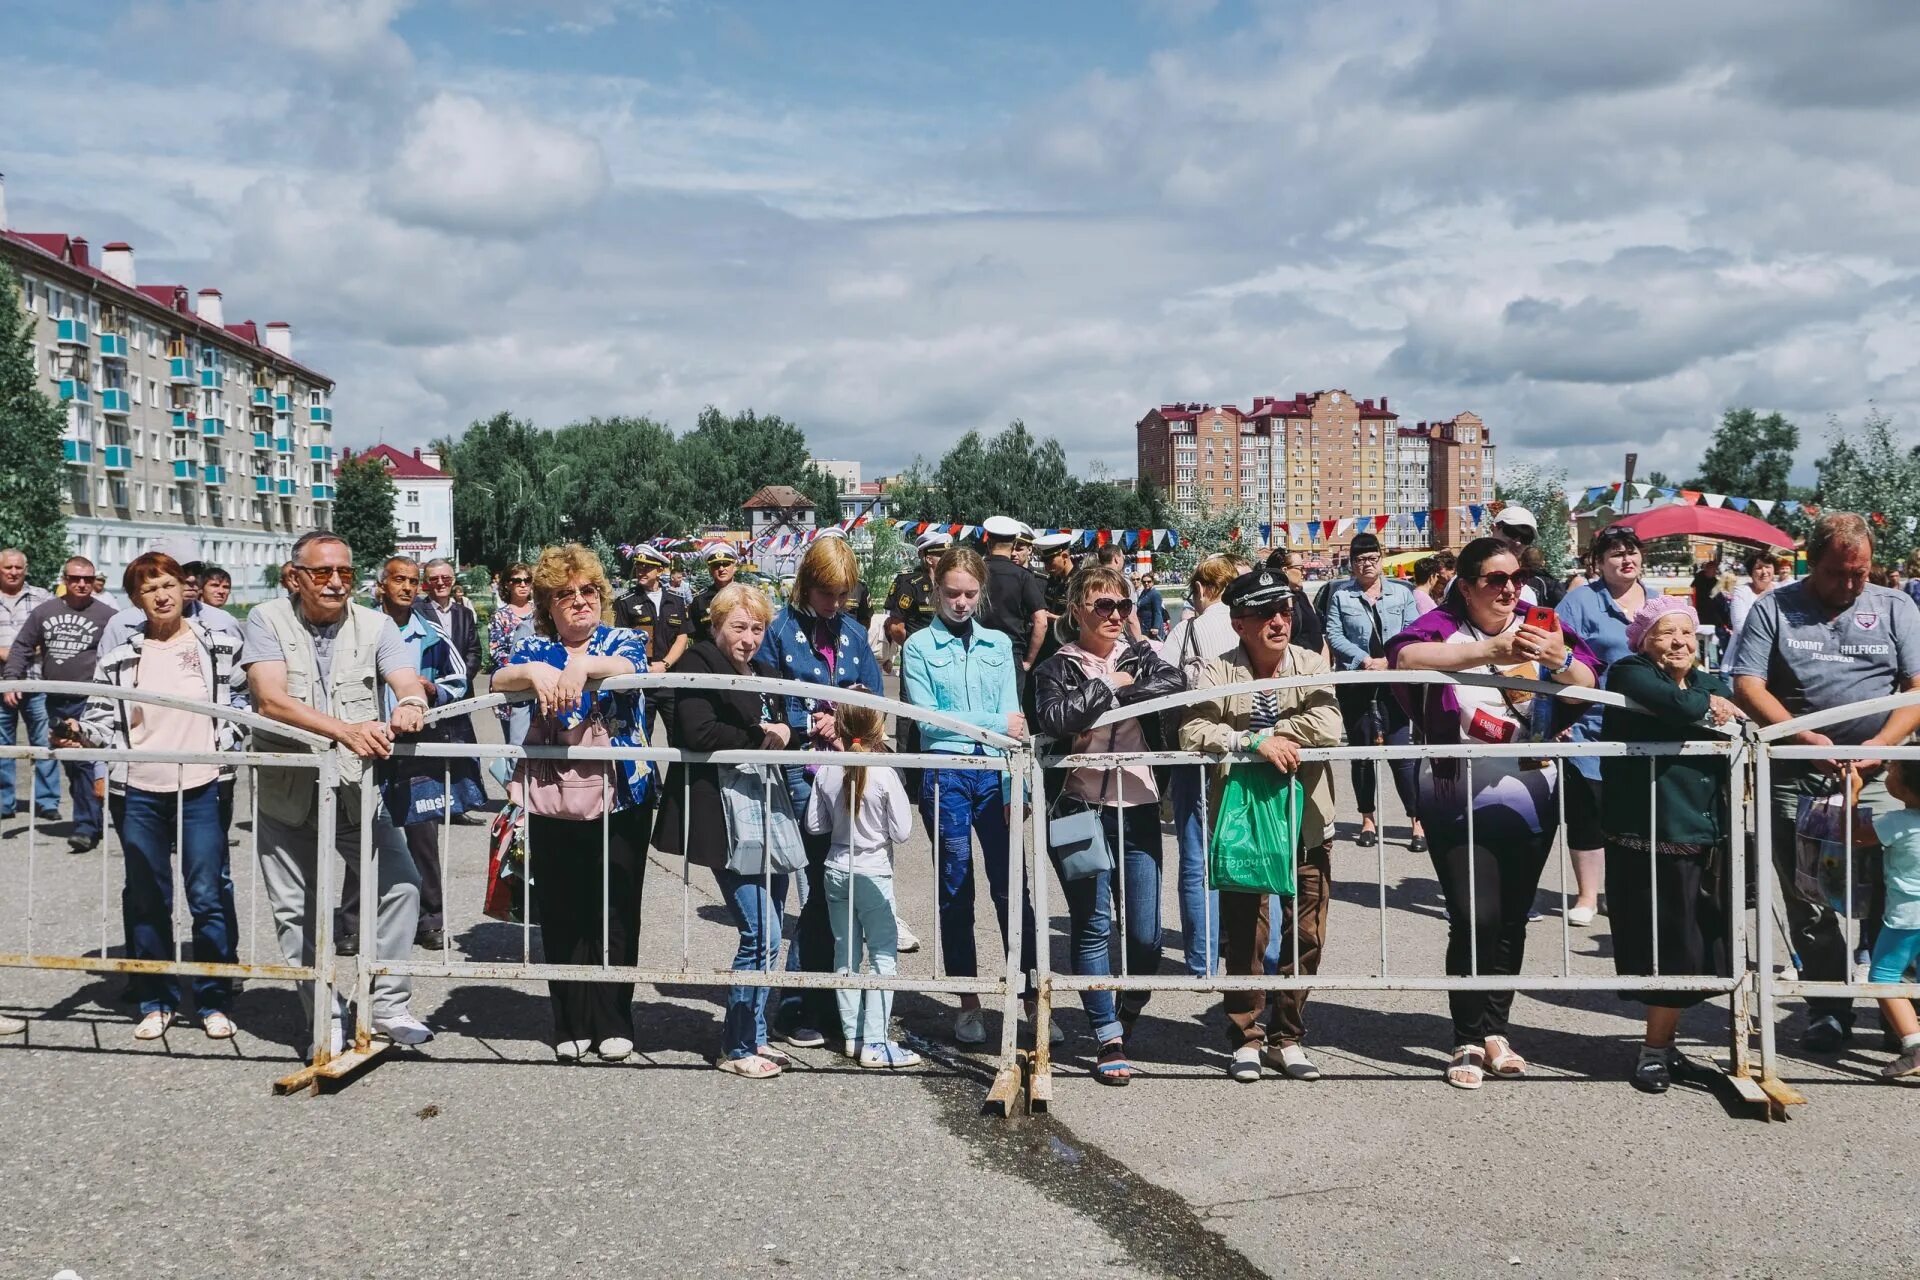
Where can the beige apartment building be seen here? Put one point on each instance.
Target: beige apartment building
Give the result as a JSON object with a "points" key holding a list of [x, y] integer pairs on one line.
{"points": [[1324, 456], [184, 432]]}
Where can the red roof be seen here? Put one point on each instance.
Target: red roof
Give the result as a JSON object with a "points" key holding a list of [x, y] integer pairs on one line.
{"points": [[59, 247], [777, 496], [401, 466]]}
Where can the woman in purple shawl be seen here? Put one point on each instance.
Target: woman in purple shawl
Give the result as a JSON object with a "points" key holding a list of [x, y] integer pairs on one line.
{"points": [[1489, 887]]}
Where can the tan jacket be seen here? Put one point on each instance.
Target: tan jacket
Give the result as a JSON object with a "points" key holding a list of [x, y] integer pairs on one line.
{"points": [[1309, 715]]}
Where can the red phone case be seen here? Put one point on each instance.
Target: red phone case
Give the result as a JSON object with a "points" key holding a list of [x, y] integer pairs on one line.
{"points": [[1541, 618]]}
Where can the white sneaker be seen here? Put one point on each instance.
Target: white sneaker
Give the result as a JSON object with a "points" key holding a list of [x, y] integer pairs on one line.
{"points": [[970, 1026], [1291, 1061], [403, 1029], [10, 1026], [1245, 1067], [336, 1042], [571, 1050], [1580, 917], [615, 1049], [887, 1056], [906, 940]]}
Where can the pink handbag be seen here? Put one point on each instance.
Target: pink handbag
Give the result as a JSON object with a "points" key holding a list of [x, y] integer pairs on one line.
{"points": [[574, 790]]}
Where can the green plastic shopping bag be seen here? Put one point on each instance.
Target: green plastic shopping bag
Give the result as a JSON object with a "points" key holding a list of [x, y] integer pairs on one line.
{"points": [[1254, 835]]}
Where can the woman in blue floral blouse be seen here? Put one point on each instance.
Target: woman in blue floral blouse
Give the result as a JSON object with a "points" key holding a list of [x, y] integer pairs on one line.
{"points": [[573, 644], [817, 640]]}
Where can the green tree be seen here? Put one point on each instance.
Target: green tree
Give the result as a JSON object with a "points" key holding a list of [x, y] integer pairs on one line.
{"points": [[725, 458], [31, 427], [507, 487], [1545, 494], [883, 556], [363, 511], [1750, 456], [1871, 472]]}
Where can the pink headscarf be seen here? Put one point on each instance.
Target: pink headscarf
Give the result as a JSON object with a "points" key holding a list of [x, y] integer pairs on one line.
{"points": [[1656, 608]]}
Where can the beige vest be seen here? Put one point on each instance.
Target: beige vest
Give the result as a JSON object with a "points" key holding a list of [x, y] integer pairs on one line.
{"points": [[287, 795]]}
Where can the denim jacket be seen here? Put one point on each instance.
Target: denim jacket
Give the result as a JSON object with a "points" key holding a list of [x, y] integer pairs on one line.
{"points": [[789, 650], [977, 681], [1350, 619]]}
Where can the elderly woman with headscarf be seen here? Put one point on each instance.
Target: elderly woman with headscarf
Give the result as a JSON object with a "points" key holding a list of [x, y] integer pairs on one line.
{"points": [[1673, 911]]}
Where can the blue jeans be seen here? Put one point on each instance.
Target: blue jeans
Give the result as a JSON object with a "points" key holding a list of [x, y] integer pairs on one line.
{"points": [[863, 922], [1199, 906], [46, 773], [1133, 832], [146, 823], [756, 914], [972, 803], [80, 773]]}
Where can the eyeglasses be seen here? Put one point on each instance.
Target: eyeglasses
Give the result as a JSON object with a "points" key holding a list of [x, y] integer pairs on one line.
{"points": [[1368, 559], [1266, 610], [518, 582], [440, 582], [327, 572], [567, 595], [1500, 581], [1110, 608], [78, 577]]}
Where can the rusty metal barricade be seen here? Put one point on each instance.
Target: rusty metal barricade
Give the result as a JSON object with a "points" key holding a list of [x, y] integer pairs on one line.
{"points": [[1003, 986], [1735, 748], [1779, 763], [317, 756]]}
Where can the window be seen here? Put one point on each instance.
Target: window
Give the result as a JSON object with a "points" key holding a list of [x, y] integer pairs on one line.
{"points": [[413, 527], [413, 497], [30, 292]]}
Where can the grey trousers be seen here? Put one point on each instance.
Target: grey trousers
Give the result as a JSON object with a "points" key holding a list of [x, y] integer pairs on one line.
{"points": [[289, 865]]}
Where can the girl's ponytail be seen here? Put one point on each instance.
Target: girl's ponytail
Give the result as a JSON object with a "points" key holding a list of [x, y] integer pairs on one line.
{"points": [[859, 729]]}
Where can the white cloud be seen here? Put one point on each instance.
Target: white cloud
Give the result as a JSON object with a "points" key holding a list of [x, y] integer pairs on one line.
{"points": [[465, 166]]}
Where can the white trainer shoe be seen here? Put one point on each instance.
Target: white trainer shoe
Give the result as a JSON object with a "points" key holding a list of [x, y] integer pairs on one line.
{"points": [[615, 1049], [887, 1056], [10, 1026], [907, 941], [403, 1029]]}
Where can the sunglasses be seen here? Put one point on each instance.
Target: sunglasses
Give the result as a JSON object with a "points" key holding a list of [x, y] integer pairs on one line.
{"points": [[1107, 607], [1266, 611], [518, 582], [1501, 581], [327, 572], [568, 594], [79, 577]]}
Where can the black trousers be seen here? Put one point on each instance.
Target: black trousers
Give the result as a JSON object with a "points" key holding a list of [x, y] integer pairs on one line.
{"points": [[1489, 891], [579, 916], [1368, 723], [423, 842]]}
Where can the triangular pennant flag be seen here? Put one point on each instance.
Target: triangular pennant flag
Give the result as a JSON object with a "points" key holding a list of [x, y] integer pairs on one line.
{"points": [[1266, 533], [1102, 536], [1764, 506], [1379, 523], [1690, 496], [1788, 506], [1596, 493], [1738, 504], [1420, 522], [1130, 539], [1173, 537], [1313, 530], [1712, 499], [1475, 510], [1342, 525]]}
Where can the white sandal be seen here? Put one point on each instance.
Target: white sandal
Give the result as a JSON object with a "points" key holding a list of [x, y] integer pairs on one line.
{"points": [[218, 1026], [1467, 1070], [154, 1025], [1502, 1061], [752, 1066]]}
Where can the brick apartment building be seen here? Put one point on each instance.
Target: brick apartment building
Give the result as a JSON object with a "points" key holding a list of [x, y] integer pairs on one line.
{"points": [[1321, 456]]}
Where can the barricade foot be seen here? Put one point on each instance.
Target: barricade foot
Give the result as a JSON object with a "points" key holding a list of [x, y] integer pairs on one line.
{"points": [[1780, 1096], [1746, 1086], [334, 1073], [1003, 1098], [1038, 1071]]}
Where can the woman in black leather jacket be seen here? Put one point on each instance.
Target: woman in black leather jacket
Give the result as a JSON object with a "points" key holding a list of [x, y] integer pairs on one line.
{"points": [[1098, 671]]}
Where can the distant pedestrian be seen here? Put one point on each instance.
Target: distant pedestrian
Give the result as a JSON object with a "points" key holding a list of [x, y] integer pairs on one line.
{"points": [[511, 623], [721, 564], [18, 599], [62, 636], [1150, 609], [1364, 612]]}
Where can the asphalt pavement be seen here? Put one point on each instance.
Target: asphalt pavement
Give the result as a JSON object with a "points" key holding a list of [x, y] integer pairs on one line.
{"points": [[478, 1155]]}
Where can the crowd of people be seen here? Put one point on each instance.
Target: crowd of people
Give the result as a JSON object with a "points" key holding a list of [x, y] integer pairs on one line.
{"points": [[984, 640]]}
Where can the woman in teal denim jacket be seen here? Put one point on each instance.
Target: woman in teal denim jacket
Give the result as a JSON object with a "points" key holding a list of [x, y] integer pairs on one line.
{"points": [[970, 672]]}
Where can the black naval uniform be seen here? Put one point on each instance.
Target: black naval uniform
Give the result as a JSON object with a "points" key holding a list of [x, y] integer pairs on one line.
{"points": [[635, 610], [911, 603], [699, 607], [1054, 591]]}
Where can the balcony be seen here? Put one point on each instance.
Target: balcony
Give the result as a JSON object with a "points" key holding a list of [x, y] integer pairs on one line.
{"points": [[180, 371], [283, 406], [263, 442], [261, 398], [263, 484], [282, 444], [210, 379], [184, 469], [213, 476], [184, 420], [113, 346], [320, 415], [114, 402], [213, 428], [77, 390], [285, 488], [323, 493], [76, 453], [116, 457], [73, 333], [320, 453]]}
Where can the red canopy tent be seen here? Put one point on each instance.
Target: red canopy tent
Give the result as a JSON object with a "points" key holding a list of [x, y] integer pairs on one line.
{"points": [[1686, 520]]}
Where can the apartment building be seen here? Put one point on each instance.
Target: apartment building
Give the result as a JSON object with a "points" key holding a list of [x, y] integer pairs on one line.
{"points": [[184, 432], [1324, 456]]}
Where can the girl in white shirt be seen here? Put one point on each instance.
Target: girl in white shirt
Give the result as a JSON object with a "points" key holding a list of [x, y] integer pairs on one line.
{"points": [[865, 809]]}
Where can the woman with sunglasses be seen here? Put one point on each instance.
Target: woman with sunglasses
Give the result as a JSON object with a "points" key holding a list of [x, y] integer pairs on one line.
{"points": [[585, 919], [1489, 884], [1098, 670], [512, 622], [1599, 614]]}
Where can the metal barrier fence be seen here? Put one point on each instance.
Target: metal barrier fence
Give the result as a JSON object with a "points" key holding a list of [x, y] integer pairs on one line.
{"points": [[1756, 988], [1780, 763], [318, 757]]}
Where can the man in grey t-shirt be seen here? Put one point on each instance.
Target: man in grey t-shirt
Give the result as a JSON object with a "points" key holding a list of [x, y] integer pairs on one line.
{"points": [[1830, 639]]}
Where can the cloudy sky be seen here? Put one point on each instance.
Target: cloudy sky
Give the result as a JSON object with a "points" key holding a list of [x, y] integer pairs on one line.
{"points": [[1595, 225]]}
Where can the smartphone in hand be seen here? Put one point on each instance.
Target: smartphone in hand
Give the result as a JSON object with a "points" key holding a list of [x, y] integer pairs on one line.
{"points": [[1541, 618]]}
